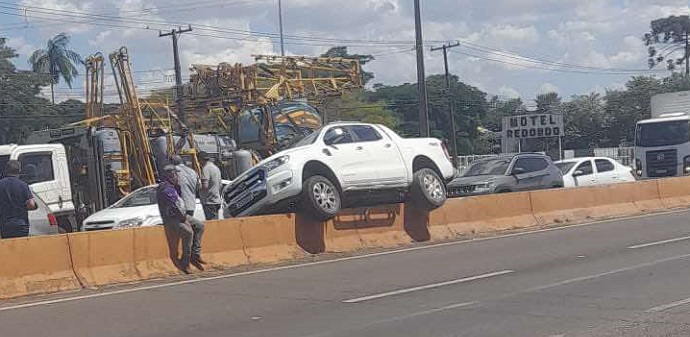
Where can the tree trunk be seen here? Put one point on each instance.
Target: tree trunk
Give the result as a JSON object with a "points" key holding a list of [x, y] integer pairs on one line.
{"points": [[52, 92]]}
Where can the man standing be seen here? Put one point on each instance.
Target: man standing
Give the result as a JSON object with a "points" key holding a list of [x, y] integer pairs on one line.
{"points": [[178, 225], [210, 186], [16, 201], [189, 184]]}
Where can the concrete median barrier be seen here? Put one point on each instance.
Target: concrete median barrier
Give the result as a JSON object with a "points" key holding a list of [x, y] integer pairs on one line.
{"points": [[674, 192], [488, 213], [222, 245], [36, 265], [270, 238], [151, 253], [104, 257], [578, 204]]}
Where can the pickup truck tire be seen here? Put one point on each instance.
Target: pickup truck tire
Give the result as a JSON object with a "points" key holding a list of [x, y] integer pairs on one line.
{"points": [[427, 190], [320, 198]]}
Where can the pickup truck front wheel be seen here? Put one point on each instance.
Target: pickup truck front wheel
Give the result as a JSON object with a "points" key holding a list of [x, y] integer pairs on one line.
{"points": [[320, 198], [427, 190]]}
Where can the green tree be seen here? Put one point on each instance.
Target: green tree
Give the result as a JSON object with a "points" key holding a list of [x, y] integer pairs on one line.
{"points": [[548, 102], [672, 31], [584, 117], [21, 110], [57, 60]]}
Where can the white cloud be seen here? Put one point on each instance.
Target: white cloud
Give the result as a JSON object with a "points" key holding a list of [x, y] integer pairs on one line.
{"points": [[508, 92], [548, 88]]}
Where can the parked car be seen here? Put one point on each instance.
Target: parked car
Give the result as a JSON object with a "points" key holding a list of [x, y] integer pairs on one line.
{"points": [[138, 209], [506, 173], [343, 165], [589, 171], [42, 221]]}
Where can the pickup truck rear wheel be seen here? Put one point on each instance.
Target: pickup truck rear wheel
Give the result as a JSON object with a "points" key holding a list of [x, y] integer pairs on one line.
{"points": [[427, 190], [320, 197]]}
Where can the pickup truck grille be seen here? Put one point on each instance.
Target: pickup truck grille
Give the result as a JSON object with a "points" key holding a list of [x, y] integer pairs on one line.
{"points": [[663, 163], [457, 191], [242, 194]]}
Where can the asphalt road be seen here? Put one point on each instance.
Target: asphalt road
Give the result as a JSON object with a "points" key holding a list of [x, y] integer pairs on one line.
{"points": [[620, 278]]}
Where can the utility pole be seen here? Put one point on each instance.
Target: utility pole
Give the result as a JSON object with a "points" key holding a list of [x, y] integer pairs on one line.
{"points": [[280, 21], [451, 104], [421, 79], [175, 33]]}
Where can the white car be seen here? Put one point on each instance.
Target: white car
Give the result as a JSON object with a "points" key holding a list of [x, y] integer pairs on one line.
{"points": [[590, 171], [138, 209], [41, 220], [358, 162]]}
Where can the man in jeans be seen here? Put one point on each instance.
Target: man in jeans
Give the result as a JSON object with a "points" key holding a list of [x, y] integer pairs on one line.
{"points": [[178, 225], [16, 201], [210, 186]]}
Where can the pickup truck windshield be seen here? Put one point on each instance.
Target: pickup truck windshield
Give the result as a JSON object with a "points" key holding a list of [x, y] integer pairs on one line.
{"points": [[491, 167], [662, 133]]}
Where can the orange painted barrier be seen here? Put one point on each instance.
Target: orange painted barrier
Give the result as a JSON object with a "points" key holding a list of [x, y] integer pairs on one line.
{"points": [[488, 213], [104, 257], [222, 245], [151, 253], [675, 192], [643, 194], [270, 238], [36, 265]]}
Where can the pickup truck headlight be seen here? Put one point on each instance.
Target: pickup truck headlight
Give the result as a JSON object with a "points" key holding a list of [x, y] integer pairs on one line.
{"points": [[276, 163]]}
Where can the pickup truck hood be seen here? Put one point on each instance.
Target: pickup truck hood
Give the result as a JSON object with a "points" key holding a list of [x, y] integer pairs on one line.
{"points": [[288, 152], [473, 180], [119, 214]]}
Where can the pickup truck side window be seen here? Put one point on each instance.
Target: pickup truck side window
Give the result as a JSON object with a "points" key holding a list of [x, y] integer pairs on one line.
{"points": [[346, 138], [37, 167], [365, 133]]}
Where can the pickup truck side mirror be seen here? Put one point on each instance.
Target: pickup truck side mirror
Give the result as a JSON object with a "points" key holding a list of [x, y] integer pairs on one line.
{"points": [[333, 136], [518, 170], [578, 173]]}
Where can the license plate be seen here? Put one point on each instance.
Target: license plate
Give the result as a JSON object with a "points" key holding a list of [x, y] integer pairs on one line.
{"points": [[244, 201]]}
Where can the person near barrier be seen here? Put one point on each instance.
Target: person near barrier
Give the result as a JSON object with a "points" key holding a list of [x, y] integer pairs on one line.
{"points": [[178, 225], [189, 184], [16, 201], [210, 186]]}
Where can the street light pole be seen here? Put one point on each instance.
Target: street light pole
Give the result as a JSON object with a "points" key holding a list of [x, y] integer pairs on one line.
{"points": [[451, 103], [280, 21], [421, 79]]}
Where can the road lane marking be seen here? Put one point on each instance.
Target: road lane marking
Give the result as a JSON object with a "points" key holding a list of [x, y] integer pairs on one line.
{"points": [[332, 261], [395, 319], [612, 272], [656, 243], [428, 286], [669, 306]]}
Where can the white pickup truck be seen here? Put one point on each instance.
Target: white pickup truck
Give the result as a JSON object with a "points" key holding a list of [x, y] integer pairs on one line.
{"points": [[343, 165]]}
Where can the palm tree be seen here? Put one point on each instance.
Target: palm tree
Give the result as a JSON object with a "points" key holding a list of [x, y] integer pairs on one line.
{"points": [[56, 60]]}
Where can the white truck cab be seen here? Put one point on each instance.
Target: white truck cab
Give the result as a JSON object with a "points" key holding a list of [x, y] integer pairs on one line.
{"points": [[46, 170], [662, 143]]}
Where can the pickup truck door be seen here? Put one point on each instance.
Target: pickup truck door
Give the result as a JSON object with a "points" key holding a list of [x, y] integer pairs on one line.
{"points": [[348, 158], [383, 154]]}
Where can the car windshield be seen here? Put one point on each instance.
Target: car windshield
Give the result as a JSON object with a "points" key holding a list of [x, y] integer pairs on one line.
{"points": [[490, 167], [566, 166], [308, 140], [142, 197], [662, 133]]}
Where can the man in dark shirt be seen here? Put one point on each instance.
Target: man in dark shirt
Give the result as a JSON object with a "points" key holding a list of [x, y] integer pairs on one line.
{"points": [[178, 225], [16, 201]]}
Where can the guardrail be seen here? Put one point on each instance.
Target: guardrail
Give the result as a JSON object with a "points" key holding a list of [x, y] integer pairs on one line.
{"points": [[73, 261]]}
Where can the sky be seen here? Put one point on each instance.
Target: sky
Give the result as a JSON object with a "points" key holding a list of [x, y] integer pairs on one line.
{"points": [[510, 48]]}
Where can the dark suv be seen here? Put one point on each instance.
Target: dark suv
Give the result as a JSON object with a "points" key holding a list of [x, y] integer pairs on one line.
{"points": [[506, 173]]}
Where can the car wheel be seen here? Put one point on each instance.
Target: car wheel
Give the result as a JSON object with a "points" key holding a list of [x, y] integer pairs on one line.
{"points": [[320, 198], [428, 191]]}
